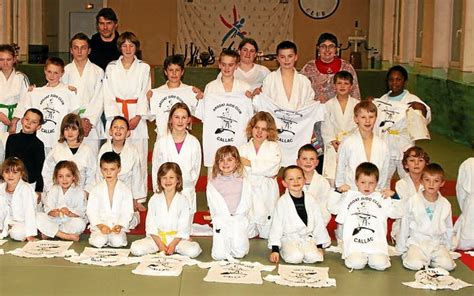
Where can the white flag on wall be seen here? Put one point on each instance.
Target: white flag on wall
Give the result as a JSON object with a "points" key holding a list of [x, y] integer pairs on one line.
{"points": [[220, 24]]}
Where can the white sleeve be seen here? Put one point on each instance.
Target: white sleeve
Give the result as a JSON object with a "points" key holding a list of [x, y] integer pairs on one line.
{"points": [[142, 104], [96, 104], [151, 227], [196, 162], [23, 105], [276, 228], [30, 212], [50, 201], [327, 129], [111, 109], [155, 165], [138, 180], [320, 232], [342, 163], [401, 243], [79, 205], [449, 229], [200, 109], [463, 184], [91, 170], [183, 230], [126, 210], [48, 169], [93, 207]]}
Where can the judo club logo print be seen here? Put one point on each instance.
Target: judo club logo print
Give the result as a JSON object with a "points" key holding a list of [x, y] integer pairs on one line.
{"points": [[226, 113], [168, 102], [236, 270], [235, 28], [49, 105], [288, 121], [363, 233], [105, 256]]}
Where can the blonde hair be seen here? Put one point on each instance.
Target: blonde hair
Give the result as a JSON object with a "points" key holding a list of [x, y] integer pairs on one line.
{"points": [[179, 105], [366, 105], [73, 121], [223, 152], [71, 166], [13, 164], [271, 125], [164, 169]]}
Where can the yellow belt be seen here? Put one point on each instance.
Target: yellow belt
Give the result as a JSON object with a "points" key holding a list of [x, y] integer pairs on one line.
{"points": [[341, 135], [394, 132], [163, 234]]}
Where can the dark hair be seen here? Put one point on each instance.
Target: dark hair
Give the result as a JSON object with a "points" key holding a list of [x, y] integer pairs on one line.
{"points": [[133, 39], [343, 75], [37, 112], [164, 169], [229, 53], [110, 157], [107, 13], [398, 68], [367, 169], [307, 148], [433, 169], [248, 40], [8, 48], [54, 61], [418, 152], [326, 37], [73, 121], [177, 59], [80, 36], [286, 45], [118, 117], [291, 167]]}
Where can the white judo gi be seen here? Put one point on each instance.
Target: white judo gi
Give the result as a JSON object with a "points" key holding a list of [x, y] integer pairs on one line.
{"points": [[254, 77], [125, 95], [164, 98], [89, 93], [21, 209], [321, 190], [396, 133], [55, 103], [101, 210], [364, 220], [404, 188], [302, 94], [464, 227], [188, 159], [230, 232], [352, 153], [297, 241], [262, 176], [337, 126], [130, 169], [75, 200], [11, 91], [426, 242], [84, 158], [167, 223]]}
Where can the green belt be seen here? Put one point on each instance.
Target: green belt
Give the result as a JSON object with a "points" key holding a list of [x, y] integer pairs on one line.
{"points": [[82, 111], [10, 109]]}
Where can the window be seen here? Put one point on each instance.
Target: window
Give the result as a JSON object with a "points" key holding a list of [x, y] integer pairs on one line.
{"points": [[456, 31], [419, 29]]}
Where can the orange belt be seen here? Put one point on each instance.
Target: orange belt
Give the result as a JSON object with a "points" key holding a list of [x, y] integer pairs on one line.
{"points": [[125, 103]]}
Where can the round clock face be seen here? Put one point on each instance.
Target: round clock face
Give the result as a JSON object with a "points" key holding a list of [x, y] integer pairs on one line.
{"points": [[318, 9]]}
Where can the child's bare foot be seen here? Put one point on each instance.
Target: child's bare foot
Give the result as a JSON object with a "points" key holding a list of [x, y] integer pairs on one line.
{"points": [[44, 236]]}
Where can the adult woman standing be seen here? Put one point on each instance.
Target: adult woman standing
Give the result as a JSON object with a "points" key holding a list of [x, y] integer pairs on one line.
{"points": [[321, 70]]}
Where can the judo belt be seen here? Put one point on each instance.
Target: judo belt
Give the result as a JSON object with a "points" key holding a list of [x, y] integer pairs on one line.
{"points": [[394, 132], [82, 111], [10, 109], [163, 235], [341, 135], [125, 103]]}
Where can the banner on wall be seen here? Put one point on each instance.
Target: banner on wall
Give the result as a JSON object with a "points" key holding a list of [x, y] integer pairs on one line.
{"points": [[223, 24]]}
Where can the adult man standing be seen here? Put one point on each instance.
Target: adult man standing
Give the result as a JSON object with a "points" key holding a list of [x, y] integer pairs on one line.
{"points": [[104, 43]]}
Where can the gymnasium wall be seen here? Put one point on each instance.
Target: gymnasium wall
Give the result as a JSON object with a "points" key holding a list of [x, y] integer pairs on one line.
{"points": [[155, 22]]}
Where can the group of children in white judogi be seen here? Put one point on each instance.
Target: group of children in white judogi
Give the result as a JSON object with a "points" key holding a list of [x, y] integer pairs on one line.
{"points": [[242, 192]]}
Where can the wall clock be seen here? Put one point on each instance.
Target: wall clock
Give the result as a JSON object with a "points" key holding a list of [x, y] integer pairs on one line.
{"points": [[318, 9]]}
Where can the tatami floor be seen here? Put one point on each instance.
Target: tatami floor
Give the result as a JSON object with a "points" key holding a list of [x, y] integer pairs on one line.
{"points": [[21, 276]]}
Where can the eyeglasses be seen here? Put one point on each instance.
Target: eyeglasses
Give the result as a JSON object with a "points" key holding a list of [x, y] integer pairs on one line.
{"points": [[327, 47]]}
